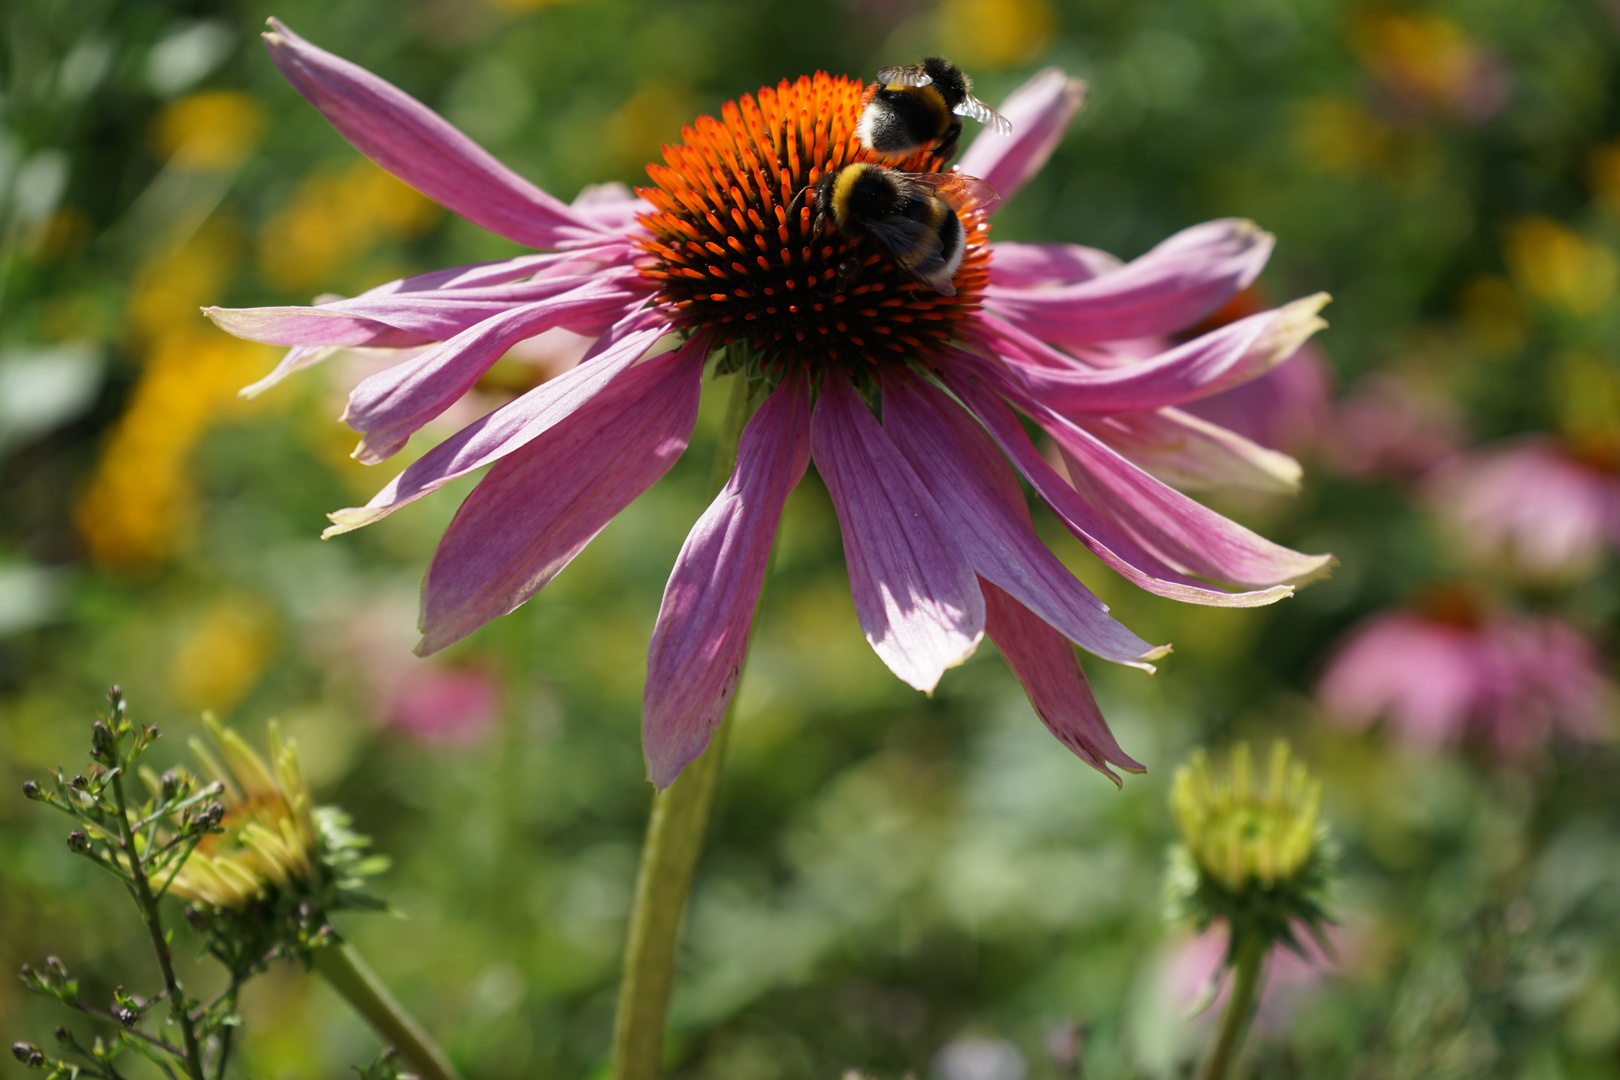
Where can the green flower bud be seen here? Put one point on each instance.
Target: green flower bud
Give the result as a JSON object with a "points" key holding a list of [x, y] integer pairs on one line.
{"points": [[1253, 850]]}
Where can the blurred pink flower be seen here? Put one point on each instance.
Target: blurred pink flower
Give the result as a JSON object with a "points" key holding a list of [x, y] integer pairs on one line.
{"points": [[1511, 680], [424, 698], [938, 539], [1547, 512], [1194, 963], [1388, 428]]}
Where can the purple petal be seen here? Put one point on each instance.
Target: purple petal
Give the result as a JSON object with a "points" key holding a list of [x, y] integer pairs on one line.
{"points": [[1022, 266], [612, 206], [422, 148], [1190, 453], [1207, 365], [1050, 672], [701, 638], [421, 317], [514, 424], [914, 589], [1186, 534], [541, 505], [960, 466], [1184, 279], [1133, 560], [296, 359], [1040, 112], [390, 406]]}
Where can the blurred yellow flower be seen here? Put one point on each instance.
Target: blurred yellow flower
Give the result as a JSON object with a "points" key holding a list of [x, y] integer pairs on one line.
{"points": [[171, 286], [1337, 135], [995, 33], [139, 503], [1493, 315], [214, 131], [648, 118], [334, 218], [270, 838], [1239, 832], [1558, 266], [224, 654]]}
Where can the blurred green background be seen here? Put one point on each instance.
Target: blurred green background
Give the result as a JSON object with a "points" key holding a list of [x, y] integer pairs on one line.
{"points": [[887, 873]]}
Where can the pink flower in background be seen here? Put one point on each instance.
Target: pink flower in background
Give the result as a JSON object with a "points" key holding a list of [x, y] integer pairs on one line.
{"points": [[1511, 680], [1194, 978], [722, 250], [1387, 427], [423, 698], [1547, 512]]}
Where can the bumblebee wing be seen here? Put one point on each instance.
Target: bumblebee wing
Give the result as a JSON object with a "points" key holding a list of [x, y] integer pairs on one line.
{"points": [[903, 76], [906, 239], [974, 108], [961, 192]]}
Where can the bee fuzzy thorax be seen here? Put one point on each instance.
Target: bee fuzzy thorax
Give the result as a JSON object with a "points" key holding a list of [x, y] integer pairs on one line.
{"points": [[746, 245], [921, 105]]}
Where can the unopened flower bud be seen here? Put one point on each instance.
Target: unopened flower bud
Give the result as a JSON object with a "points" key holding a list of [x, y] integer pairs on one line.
{"points": [[31, 789], [27, 972], [28, 1054], [79, 783], [63, 1036], [57, 967], [125, 1015], [1253, 851], [103, 744], [169, 785], [78, 842]]}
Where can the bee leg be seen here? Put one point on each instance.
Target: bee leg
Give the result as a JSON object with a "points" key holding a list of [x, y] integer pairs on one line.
{"points": [[946, 147]]}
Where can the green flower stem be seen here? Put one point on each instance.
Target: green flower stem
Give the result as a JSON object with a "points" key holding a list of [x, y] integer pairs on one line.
{"points": [[669, 856], [142, 888], [347, 972], [1239, 1010]]}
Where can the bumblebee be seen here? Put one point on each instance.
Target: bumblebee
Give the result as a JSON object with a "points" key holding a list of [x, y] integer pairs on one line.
{"points": [[913, 215], [920, 105]]}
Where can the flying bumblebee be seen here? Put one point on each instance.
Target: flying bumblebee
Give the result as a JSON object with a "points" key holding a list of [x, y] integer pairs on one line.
{"points": [[920, 105], [913, 215]]}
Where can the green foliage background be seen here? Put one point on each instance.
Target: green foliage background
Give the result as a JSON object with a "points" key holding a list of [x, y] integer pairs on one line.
{"points": [[887, 872]]}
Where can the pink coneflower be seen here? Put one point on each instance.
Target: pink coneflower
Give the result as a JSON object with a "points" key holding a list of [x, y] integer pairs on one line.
{"points": [[1286, 408], [1549, 512], [1387, 427], [1451, 669], [722, 253]]}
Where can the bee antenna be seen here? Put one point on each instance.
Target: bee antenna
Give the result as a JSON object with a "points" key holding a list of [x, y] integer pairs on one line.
{"points": [[795, 203]]}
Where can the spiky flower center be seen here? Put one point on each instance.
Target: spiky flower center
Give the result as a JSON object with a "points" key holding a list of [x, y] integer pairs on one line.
{"points": [[1243, 832], [738, 252]]}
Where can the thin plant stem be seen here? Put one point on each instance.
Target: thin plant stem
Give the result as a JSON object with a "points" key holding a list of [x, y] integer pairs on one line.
{"points": [[347, 972], [1239, 1010], [154, 926], [669, 856]]}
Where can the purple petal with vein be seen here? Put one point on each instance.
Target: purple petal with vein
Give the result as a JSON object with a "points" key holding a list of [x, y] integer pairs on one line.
{"points": [[1185, 534], [422, 148], [1050, 672], [514, 424], [969, 477], [423, 317], [541, 505], [1181, 281], [1134, 561], [1207, 365], [1193, 454], [393, 404], [1017, 265], [296, 359], [914, 589], [701, 638], [1040, 112]]}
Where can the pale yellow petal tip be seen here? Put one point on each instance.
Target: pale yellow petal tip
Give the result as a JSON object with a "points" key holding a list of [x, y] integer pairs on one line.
{"points": [[348, 520]]}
